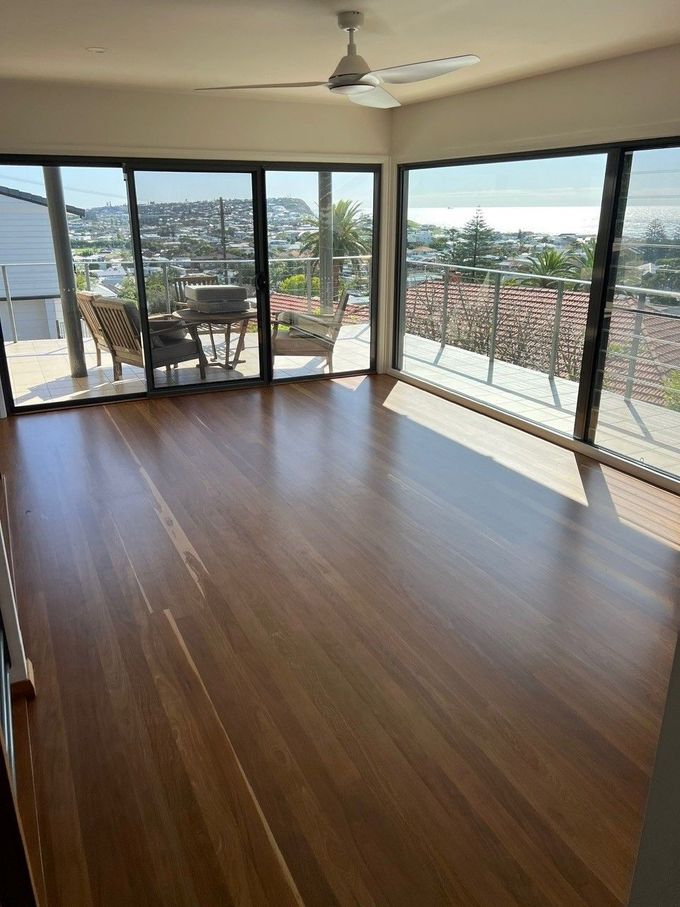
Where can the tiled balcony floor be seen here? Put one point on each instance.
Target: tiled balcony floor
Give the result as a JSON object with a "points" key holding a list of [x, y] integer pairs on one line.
{"points": [[642, 431], [39, 369]]}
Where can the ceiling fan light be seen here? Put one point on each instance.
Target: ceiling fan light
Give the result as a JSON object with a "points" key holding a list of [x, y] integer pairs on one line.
{"points": [[352, 88]]}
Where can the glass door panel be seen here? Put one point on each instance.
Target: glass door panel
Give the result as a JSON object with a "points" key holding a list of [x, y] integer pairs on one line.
{"points": [[198, 256], [320, 227], [65, 245], [496, 272], [639, 399]]}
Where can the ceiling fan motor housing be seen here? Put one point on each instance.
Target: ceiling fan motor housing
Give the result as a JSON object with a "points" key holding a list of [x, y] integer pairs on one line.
{"points": [[352, 66], [350, 19], [352, 74]]}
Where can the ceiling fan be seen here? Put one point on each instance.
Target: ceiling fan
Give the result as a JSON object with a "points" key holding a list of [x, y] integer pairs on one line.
{"points": [[354, 78]]}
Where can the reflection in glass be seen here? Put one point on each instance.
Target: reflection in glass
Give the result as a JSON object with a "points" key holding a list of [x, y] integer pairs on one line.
{"points": [[497, 281], [320, 237], [639, 405]]}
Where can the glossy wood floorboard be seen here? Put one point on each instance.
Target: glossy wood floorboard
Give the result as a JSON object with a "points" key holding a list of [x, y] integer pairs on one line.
{"points": [[335, 643]]}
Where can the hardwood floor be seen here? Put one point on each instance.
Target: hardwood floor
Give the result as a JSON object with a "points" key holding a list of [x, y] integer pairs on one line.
{"points": [[335, 643]]}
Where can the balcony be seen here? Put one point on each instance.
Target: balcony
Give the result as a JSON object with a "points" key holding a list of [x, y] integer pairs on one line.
{"points": [[39, 365], [492, 337]]}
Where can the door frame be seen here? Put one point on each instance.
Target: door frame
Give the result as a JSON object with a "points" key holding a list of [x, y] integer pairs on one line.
{"points": [[261, 280], [129, 164]]}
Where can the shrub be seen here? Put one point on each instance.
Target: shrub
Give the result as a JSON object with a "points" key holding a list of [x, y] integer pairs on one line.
{"points": [[671, 390], [296, 285]]}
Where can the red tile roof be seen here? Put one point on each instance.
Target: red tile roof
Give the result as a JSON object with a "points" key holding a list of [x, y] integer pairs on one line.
{"points": [[526, 320], [284, 302]]}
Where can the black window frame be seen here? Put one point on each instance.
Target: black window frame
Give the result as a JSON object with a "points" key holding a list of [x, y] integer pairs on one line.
{"points": [[128, 166], [594, 351]]}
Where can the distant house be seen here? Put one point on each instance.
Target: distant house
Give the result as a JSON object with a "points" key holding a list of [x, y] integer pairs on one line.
{"points": [[419, 236], [27, 252]]}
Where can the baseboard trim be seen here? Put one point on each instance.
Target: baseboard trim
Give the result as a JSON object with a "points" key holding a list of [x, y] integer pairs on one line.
{"points": [[25, 688]]}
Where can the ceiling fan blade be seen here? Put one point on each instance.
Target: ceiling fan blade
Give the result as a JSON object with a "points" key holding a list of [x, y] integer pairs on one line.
{"points": [[266, 85], [378, 97], [429, 69]]}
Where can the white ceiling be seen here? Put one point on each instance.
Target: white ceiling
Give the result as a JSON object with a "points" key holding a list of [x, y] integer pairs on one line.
{"points": [[183, 44]]}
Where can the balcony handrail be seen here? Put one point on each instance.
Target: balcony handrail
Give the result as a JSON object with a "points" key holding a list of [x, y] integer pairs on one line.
{"points": [[88, 264], [171, 261], [523, 274], [559, 284], [527, 275], [653, 312]]}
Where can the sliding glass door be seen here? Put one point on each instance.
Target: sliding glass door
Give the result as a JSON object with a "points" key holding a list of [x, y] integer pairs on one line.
{"points": [[65, 240], [134, 277], [198, 256], [321, 236], [547, 287], [496, 271], [638, 411]]}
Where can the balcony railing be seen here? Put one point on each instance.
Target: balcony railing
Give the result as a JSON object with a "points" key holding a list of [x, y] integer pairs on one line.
{"points": [[646, 303], [241, 271]]}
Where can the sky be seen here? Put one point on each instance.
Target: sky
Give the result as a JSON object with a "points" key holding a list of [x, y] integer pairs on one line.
{"points": [[90, 187], [576, 180]]}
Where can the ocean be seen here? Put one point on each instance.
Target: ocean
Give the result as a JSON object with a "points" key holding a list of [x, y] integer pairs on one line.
{"points": [[582, 220]]}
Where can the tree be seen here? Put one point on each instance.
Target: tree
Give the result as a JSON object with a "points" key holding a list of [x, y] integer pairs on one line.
{"points": [[446, 246], [654, 240], [551, 263], [443, 242], [666, 276], [156, 298], [296, 285], [475, 242], [586, 256], [523, 238], [351, 236]]}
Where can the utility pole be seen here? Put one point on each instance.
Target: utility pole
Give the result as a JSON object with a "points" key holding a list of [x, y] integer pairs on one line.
{"points": [[224, 241], [326, 240], [56, 207]]}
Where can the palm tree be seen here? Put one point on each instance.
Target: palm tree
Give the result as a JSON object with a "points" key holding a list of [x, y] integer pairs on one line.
{"points": [[586, 257], [551, 263], [351, 236]]}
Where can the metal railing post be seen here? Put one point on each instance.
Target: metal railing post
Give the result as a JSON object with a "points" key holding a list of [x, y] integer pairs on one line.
{"points": [[10, 304], [445, 312], [554, 347], [494, 325], [308, 284], [86, 265], [167, 286], [635, 346]]}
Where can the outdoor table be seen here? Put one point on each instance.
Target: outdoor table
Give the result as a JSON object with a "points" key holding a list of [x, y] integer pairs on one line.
{"points": [[194, 319]]}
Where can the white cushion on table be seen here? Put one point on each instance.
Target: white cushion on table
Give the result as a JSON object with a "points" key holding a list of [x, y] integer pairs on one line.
{"points": [[215, 293]]}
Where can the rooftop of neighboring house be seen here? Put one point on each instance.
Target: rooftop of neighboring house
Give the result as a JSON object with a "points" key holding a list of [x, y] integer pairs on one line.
{"points": [[36, 199]]}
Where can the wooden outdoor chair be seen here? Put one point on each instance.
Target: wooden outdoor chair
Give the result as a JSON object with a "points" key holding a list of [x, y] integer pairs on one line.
{"points": [[170, 342], [308, 335], [89, 316], [180, 284]]}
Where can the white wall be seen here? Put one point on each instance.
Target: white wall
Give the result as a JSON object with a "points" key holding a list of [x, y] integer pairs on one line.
{"points": [[35, 319], [43, 118], [26, 249], [629, 97]]}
